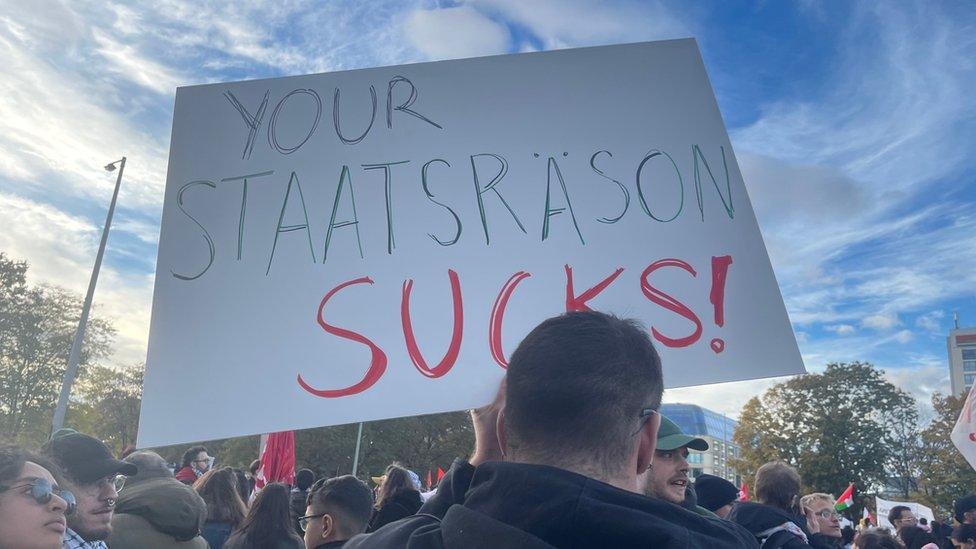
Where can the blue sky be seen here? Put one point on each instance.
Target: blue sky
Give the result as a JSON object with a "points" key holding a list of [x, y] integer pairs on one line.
{"points": [[853, 123]]}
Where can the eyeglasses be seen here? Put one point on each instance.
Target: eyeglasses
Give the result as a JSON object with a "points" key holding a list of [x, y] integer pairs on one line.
{"points": [[303, 521], [117, 482], [42, 491], [643, 416], [827, 513], [912, 520], [209, 461]]}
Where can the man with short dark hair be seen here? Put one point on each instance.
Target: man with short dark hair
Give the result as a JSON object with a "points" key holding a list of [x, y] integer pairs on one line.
{"points": [[901, 516], [337, 509], [92, 475], [156, 510], [196, 462], [964, 509], [577, 423]]}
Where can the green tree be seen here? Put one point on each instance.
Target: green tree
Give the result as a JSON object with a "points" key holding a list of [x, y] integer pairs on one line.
{"points": [[37, 325], [946, 475], [105, 404], [835, 427]]}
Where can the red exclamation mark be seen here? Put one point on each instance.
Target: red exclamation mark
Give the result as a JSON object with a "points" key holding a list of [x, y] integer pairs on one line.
{"points": [[720, 269]]}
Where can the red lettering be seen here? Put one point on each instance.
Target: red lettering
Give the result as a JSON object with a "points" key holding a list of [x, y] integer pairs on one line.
{"points": [[377, 364], [453, 349], [497, 316], [578, 303], [670, 303]]}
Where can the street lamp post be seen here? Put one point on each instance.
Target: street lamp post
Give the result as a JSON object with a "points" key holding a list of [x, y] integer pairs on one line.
{"points": [[72, 369]]}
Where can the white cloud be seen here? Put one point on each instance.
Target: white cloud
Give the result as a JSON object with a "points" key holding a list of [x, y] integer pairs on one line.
{"points": [[881, 321], [904, 336], [460, 31], [841, 329], [930, 321]]}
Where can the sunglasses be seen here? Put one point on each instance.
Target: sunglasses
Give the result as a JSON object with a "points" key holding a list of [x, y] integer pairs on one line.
{"points": [[42, 491]]}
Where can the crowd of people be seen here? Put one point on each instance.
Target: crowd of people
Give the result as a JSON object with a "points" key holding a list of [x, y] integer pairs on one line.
{"points": [[572, 452]]}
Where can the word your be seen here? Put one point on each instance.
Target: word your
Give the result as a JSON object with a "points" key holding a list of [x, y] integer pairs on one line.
{"points": [[574, 302]]}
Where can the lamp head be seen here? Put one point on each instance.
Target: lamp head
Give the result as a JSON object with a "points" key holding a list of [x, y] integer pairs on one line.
{"points": [[110, 167]]}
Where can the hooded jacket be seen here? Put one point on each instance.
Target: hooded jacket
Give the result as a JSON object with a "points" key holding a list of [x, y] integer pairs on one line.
{"points": [[537, 506], [158, 512], [775, 528]]}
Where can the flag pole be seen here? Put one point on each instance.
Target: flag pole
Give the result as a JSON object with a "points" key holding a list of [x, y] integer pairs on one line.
{"points": [[355, 458]]}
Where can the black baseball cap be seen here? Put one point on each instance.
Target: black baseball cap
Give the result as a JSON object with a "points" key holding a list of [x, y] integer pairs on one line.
{"points": [[86, 459]]}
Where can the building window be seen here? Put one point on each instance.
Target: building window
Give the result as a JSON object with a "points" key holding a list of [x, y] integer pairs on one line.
{"points": [[694, 458], [969, 366], [969, 354], [969, 378]]}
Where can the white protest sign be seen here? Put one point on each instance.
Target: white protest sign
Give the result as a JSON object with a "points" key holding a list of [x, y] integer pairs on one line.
{"points": [[884, 506], [963, 434], [371, 244]]}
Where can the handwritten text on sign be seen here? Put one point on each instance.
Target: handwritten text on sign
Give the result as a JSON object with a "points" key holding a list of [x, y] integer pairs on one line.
{"points": [[324, 236]]}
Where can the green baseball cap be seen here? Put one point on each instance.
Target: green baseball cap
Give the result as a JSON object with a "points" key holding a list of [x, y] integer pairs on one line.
{"points": [[670, 437]]}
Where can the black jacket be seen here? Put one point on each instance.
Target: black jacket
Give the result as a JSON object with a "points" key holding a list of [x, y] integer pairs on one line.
{"points": [[403, 504], [501, 505], [760, 519]]}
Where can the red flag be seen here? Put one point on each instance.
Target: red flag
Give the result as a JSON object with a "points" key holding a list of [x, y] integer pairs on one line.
{"points": [[440, 474], [744, 492], [429, 481], [277, 460]]}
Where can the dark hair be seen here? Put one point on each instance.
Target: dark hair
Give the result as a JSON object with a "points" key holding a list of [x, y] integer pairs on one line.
{"points": [[964, 533], [268, 520], [191, 454], [575, 389], [13, 458], [895, 513], [847, 535], [304, 478], [778, 485], [218, 488], [397, 480], [876, 539], [923, 520], [244, 487], [915, 537], [345, 496], [963, 505]]}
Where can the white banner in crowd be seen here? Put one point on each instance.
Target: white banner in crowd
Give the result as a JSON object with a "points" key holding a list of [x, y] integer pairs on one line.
{"points": [[374, 243], [884, 506], [964, 432]]}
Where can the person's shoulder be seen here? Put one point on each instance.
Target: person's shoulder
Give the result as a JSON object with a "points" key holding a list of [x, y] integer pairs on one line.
{"points": [[415, 532]]}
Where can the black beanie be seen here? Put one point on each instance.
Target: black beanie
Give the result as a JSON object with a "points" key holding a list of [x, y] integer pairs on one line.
{"points": [[715, 492]]}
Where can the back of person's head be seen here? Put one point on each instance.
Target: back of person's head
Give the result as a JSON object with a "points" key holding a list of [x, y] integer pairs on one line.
{"points": [[304, 478], [253, 468], [964, 533], [575, 390], [191, 454], [923, 521], [268, 520], [347, 499], [777, 485], [243, 485], [876, 539], [396, 480], [218, 488], [915, 537], [962, 506], [150, 464], [895, 514], [847, 535], [714, 492]]}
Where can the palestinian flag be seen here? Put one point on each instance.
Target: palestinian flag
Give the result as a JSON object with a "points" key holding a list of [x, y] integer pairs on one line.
{"points": [[846, 499]]}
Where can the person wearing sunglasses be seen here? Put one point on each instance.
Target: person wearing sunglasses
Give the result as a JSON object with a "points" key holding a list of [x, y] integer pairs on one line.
{"points": [[94, 476], [338, 509], [33, 507]]}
